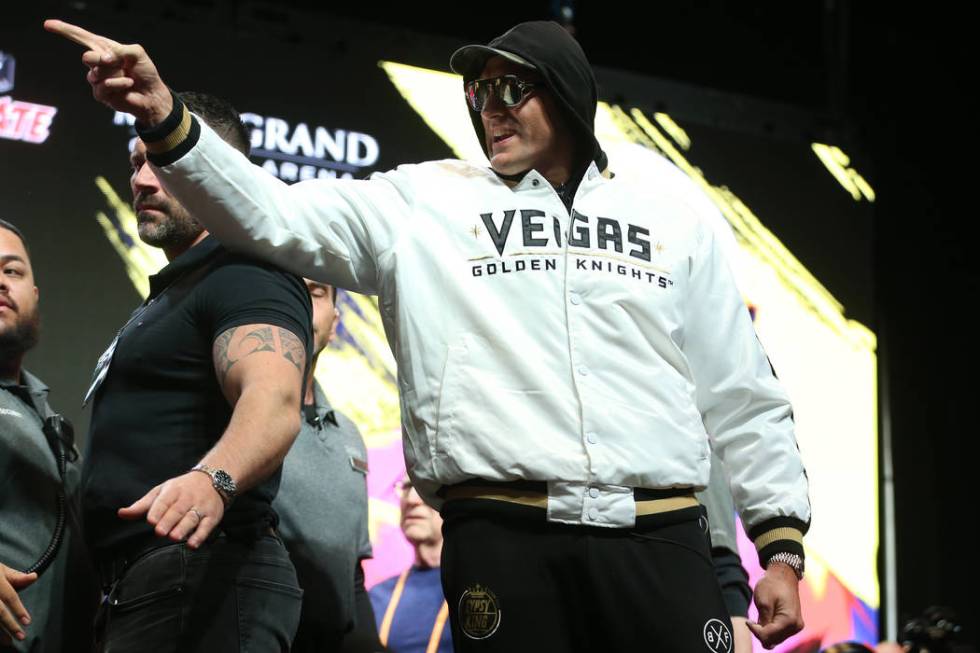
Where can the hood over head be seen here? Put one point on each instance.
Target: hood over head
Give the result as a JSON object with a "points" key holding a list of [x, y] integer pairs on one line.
{"points": [[548, 48]]}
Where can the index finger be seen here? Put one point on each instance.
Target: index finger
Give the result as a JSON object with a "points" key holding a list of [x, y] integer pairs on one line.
{"points": [[78, 35]]}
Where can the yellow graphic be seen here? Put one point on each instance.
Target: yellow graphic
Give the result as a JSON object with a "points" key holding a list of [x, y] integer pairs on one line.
{"points": [[140, 259], [438, 99], [838, 164], [674, 130]]}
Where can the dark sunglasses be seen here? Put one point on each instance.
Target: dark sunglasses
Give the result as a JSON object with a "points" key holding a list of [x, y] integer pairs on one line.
{"points": [[509, 89]]}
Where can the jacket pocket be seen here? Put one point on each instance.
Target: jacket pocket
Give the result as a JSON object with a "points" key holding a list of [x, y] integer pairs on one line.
{"points": [[449, 401]]}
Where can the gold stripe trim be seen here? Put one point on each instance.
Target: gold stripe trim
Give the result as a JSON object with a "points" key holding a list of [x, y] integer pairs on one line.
{"points": [[655, 506], [776, 534], [174, 138], [570, 253], [539, 500], [523, 497]]}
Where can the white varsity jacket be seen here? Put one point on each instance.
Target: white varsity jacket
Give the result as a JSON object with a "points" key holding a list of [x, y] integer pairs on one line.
{"points": [[596, 350]]}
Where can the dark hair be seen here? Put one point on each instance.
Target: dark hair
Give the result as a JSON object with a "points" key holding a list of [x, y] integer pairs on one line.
{"points": [[220, 116], [17, 232]]}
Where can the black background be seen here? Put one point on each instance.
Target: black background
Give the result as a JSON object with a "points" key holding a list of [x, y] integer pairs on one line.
{"points": [[890, 84]]}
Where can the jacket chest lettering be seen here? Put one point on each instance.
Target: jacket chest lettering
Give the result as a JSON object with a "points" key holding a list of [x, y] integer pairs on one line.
{"points": [[538, 230]]}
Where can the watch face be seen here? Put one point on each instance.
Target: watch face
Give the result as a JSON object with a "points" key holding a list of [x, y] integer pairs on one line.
{"points": [[224, 480]]}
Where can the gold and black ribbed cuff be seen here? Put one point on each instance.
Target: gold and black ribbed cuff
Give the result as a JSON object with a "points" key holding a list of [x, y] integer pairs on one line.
{"points": [[778, 535], [172, 138]]}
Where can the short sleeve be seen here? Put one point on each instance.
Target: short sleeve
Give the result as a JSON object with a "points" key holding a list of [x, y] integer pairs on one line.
{"points": [[242, 291]]}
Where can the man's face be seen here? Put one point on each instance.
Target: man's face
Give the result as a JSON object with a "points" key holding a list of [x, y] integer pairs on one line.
{"points": [[531, 135], [19, 316], [325, 314], [420, 523], [161, 220]]}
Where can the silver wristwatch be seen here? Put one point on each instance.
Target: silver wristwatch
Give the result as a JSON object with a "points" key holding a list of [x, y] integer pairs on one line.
{"points": [[792, 559], [220, 480]]}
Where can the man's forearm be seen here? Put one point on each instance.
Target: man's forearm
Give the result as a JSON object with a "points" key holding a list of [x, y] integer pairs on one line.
{"points": [[263, 426]]}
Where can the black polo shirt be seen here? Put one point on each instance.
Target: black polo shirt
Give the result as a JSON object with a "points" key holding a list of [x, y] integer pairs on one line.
{"points": [[160, 408]]}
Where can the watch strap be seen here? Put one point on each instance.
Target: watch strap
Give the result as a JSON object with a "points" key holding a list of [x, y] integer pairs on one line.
{"points": [[221, 481], [795, 562]]}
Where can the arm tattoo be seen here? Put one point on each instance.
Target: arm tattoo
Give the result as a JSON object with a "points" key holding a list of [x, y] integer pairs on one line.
{"points": [[256, 340], [222, 362], [293, 349], [262, 340]]}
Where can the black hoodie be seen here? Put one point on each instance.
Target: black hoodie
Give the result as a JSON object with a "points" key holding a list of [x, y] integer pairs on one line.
{"points": [[559, 59]]}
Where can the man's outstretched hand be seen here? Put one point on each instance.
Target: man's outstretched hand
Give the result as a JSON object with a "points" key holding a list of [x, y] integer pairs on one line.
{"points": [[122, 76]]}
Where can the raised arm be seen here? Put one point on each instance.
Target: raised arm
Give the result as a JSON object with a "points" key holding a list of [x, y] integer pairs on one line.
{"points": [[338, 231]]}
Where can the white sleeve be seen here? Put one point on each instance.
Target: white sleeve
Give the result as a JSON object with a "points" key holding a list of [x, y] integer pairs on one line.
{"points": [[744, 407], [331, 230]]}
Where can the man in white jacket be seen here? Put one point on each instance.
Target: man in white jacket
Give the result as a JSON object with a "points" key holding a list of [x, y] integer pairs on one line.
{"points": [[570, 346]]}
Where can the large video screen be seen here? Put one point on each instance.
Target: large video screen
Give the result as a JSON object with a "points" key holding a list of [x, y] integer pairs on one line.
{"points": [[795, 217]]}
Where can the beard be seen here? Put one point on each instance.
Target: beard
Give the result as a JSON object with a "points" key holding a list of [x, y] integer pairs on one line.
{"points": [[175, 227], [21, 337]]}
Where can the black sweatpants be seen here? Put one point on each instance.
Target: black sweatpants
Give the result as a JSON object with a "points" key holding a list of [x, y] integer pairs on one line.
{"points": [[515, 582]]}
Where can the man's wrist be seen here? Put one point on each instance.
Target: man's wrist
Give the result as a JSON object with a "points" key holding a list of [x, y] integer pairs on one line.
{"points": [[792, 560], [157, 113], [171, 135], [221, 481], [154, 116]]}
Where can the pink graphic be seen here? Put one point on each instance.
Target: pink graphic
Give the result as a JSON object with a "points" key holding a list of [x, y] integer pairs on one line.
{"points": [[392, 553], [25, 121]]}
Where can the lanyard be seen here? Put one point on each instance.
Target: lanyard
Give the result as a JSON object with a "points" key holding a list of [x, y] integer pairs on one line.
{"points": [[396, 596], [102, 366]]}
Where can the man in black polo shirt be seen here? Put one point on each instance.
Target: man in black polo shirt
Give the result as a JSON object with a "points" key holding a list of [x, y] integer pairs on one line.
{"points": [[195, 404]]}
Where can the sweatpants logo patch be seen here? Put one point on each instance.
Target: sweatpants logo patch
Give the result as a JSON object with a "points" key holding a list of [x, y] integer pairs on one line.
{"points": [[479, 612], [717, 636]]}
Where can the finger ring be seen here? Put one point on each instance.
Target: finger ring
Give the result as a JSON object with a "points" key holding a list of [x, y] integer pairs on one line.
{"points": [[198, 513]]}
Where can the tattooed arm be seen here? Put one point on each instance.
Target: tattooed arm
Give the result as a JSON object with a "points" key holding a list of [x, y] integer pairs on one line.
{"points": [[260, 369]]}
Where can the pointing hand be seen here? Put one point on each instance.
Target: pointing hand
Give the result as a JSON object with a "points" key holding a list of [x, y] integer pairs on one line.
{"points": [[122, 76]]}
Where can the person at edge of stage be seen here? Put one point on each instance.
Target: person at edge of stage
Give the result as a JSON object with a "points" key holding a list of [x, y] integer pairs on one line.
{"points": [[42, 566], [410, 607]]}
